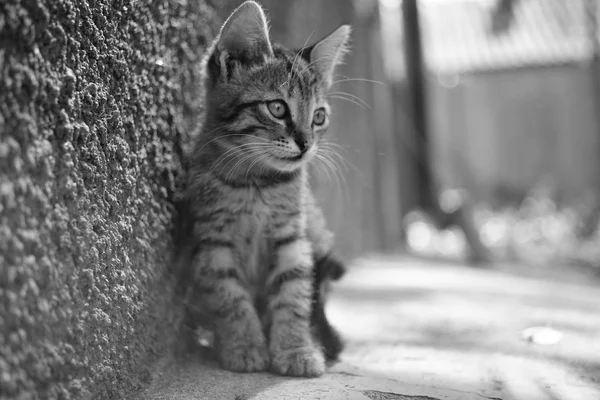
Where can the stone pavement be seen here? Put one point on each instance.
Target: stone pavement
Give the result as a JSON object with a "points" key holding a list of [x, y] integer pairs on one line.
{"points": [[424, 330]]}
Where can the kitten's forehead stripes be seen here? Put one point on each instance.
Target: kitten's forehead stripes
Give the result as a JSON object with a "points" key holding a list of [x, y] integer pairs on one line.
{"points": [[302, 79]]}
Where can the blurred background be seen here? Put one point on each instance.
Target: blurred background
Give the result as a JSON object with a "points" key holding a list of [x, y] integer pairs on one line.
{"points": [[467, 129]]}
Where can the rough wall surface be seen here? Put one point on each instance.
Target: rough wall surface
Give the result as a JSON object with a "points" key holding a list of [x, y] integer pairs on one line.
{"points": [[94, 95]]}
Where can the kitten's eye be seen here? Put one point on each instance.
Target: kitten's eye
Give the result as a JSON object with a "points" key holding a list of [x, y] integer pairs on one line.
{"points": [[277, 108], [319, 116]]}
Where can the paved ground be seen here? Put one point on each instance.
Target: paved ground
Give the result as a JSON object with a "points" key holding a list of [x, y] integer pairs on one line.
{"points": [[426, 331]]}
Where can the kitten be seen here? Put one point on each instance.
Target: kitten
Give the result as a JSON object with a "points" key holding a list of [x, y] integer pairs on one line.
{"points": [[255, 226]]}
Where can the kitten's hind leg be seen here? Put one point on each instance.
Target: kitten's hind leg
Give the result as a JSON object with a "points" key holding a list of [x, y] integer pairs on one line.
{"points": [[240, 340], [326, 268], [289, 291], [326, 335]]}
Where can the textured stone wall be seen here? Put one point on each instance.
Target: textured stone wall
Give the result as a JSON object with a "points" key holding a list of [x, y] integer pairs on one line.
{"points": [[94, 98]]}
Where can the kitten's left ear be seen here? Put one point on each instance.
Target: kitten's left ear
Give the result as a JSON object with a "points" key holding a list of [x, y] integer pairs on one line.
{"points": [[245, 34], [329, 52]]}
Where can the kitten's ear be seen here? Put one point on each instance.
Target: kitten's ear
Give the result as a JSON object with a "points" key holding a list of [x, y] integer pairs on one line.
{"points": [[329, 52], [245, 35]]}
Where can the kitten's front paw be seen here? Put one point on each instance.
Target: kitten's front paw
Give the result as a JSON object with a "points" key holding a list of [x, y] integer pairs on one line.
{"points": [[303, 361], [245, 358]]}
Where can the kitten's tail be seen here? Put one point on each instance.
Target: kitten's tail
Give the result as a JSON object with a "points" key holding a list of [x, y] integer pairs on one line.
{"points": [[332, 268]]}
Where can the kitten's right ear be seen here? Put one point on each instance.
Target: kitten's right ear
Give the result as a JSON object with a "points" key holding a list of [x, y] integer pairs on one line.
{"points": [[244, 36], [328, 53]]}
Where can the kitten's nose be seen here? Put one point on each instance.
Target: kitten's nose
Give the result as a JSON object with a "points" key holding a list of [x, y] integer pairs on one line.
{"points": [[302, 144]]}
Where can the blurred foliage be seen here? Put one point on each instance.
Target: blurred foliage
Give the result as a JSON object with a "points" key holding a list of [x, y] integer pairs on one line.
{"points": [[538, 231]]}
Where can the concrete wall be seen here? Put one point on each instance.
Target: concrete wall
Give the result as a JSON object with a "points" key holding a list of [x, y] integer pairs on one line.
{"points": [[94, 96], [500, 133]]}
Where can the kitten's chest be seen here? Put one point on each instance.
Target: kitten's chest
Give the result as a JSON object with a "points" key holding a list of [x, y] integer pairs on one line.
{"points": [[256, 213], [258, 219], [252, 236]]}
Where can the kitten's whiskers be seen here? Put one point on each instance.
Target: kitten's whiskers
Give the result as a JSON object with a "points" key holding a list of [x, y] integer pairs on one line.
{"points": [[235, 150], [327, 145], [330, 166], [296, 58], [349, 97], [358, 80], [228, 135], [309, 65], [258, 159], [240, 162], [232, 153]]}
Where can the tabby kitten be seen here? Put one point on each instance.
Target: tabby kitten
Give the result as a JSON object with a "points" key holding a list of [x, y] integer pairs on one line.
{"points": [[255, 224]]}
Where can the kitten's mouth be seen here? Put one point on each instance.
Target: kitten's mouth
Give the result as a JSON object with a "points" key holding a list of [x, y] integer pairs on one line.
{"points": [[291, 158], [287, 160]]}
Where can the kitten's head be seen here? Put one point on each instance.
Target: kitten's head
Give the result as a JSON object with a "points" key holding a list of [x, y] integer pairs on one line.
{"points": [[264, 100]]}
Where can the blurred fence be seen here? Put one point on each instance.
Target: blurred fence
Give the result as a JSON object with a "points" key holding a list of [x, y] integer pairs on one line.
{"points": [[500, 133], [513, 96]]}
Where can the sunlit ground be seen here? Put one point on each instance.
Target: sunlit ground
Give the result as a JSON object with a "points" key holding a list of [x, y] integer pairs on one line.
{"points": [[419, 329], [469, 331]]}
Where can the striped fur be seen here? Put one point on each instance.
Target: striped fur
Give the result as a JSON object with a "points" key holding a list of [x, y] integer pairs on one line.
{"points": [[255, 226]]}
